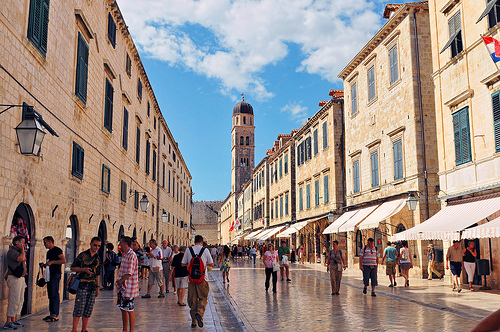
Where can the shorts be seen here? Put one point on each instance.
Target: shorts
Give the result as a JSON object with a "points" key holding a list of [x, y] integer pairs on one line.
{"points": [[84, 300], [145, 267], [456, 268], [369, 274], [181, 282], [125, 303], [390, 268], [158, 276]]}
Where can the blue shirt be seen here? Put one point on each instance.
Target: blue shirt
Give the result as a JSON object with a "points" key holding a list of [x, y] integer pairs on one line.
{"points": [[391, 254]]}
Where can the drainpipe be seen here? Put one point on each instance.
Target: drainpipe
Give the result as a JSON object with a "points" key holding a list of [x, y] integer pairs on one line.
{"points": [[422, 133]]}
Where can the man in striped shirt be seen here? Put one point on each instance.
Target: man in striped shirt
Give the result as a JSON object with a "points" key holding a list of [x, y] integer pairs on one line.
{"points": [[127, 284], [368, 261]]}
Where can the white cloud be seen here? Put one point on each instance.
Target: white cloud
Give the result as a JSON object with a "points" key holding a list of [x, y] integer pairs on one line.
{"points": [[296, 112], [237, 39]]}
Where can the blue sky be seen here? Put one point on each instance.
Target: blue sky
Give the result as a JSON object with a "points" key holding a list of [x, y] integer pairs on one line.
{"points": [[200, 55]]}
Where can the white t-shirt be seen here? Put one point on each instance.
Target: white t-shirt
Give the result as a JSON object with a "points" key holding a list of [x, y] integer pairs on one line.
{"points": [[165, 253], [205, 257], [154, 261]]}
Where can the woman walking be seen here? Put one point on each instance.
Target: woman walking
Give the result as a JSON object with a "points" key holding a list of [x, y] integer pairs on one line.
{"points": [[225, 264], [335, 265], [181, 276], [470, 255], [270, 258], [405, 262]]}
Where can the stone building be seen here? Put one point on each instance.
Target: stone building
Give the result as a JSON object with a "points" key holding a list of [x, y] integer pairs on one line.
{"points": [[76, 65], [390, 134], [205, 219]]}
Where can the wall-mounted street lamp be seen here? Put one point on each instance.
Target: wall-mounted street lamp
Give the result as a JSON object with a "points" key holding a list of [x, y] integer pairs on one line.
{"points": [[412, 202], [164, 217], [30, 132], [331, 216], [144, 202]]}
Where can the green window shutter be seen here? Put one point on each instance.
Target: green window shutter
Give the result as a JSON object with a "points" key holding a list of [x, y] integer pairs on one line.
{"points": [[393, 63], [315, 136], [301, 201], [148, 151], [138, 146], [374, 167], [123, 191], [286, 163], [397, 148], [44, 29], [286, 205], [326, 193], [371, 83], [316, 192], [154, 165], [308, 196], [461, 133], [38, 24], [77, 161], [325, 135], [108, 106], [281, 168], [125, 129], [355, 172], [281, 207], [111, 30], [495, 98], [354, 99], [82, 69]]}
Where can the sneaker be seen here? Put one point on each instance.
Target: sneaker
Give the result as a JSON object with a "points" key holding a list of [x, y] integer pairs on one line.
{"points": [[395, 284], [373, 294], [146, 296], [199, 319], [175, 292], [18, 323], [9, 326], [288, 279], [193, 325], [337, 293], [459, 290], [391, 285], [162, 295], [282, 279], [364, 290]]}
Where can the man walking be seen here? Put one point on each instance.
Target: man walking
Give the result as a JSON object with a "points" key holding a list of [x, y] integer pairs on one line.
{"points": [[454, 258], [368, 261], [87, 265], [391, 254], [284, 251], [430, 267], [155, 262], [16, 269], [55, 258], [166, 259], [197, 293], [127, 284]]}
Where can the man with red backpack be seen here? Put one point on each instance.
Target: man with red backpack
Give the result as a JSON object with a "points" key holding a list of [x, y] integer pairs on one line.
{"points": [[197, 258]]}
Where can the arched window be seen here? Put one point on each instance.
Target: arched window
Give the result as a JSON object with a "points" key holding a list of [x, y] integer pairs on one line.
{"points": [[244, 120], [250, 121], [400, 228], [242, 142], [248, 140]]}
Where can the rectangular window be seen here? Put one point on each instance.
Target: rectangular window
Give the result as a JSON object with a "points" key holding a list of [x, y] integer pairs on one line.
{"points": [[111, 30], [139, 89], [325, 135], [82, 64], [301, 202], [128, 65], [276, 172], [308, 148], [154, 123], [493, 10], [149, 113], [276, 208], [272, 210], [354, 99], [286, 205], [316, 193], [326, 192], [281, 168], [355, 176], [154, 165], [272, 175], [125, 129], [393, 64], [315, 136], [105, 179], [163, 177], [38, 24], [136, 199], [286, 163], [148, 153], [168, 182], [108, 106], [281, 207], [495, 98], [455, 42], [123, 191], [138, 146], [374, 167], [78, 159], [308, 196], [461, 132], [397, 148], [371, 83]]}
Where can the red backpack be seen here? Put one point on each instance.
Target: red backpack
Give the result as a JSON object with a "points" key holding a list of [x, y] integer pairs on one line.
{"points": [[196, 267]]}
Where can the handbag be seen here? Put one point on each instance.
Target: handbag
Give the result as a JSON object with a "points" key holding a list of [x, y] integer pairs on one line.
{"points": [[284, 260], [276, 267], [73, 283], [40, 282], [339, 267]]}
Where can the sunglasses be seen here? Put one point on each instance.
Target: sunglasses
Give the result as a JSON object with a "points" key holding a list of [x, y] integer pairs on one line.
{"points": [[96, 245]]}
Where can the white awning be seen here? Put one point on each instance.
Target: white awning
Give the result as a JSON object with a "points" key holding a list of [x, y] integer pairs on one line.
{"points": [[262, 234], [236, 238], [449, 221], [357, 218], [384, 211], [488, 230], [293, 229], [251, 235], [334, 227], [271, 233]]}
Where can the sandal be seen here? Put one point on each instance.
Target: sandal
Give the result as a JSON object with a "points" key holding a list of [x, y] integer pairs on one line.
{"points": [[182, 304], [52, 319], [47, 317]]}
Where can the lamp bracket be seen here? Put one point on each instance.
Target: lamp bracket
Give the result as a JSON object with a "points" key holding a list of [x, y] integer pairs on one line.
{"points": [[30, 112]]}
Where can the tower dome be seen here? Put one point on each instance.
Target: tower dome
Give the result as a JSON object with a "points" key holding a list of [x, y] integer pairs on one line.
{"points": [[243, 107]]}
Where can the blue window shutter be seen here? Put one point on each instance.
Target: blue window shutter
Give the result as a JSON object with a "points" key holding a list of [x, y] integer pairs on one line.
{"points": [[315, 136], [354, 99], [371, 83], [495, 98], [355, 171], [301, 202], [326, 193], [393, 63]]}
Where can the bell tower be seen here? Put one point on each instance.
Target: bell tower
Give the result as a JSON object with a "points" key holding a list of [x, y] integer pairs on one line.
{"points": [[242, 145]]}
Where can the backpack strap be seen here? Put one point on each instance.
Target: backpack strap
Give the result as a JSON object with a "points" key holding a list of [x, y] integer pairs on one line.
{"points": [[201, 251], [192, 252]]}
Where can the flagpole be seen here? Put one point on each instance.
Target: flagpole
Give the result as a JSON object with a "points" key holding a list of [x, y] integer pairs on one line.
{"points": [[484, 43]]}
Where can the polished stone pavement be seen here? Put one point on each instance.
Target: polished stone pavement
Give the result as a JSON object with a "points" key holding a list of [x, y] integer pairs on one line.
{"points": [[305, 304]]}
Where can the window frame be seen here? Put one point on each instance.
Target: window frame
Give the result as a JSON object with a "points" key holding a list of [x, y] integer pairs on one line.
{"points": [[37, 34], [393, 64], [463, 133], [105, 179], [82, 63], [397, 155], [111, 30], [372, 90], [374, 167], [78, 161], [356, 180]]}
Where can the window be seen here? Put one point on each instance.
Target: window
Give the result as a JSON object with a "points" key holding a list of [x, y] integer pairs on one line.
{"points": [[374, 167], [154, 165], [493, 13], [154, 123], [355, 176], [393, 64], [242, 140], [326, 192], [495, 98], [38, 24], [148, 153], [128, 65], [136, 199], [315, 136], [138, 146], [173, 186], [168, 190], [276, 208], [301, 202], [125, 129], [308, 196], [272, 210], [281, 168], [462, 136], [308, 148], [397, 148], [316, 193], [247, 140], [455, 41], [105, 179], [82, 63], [354, 99], [77, 163], [286, 205], [325, 135], [139, 89], [108, 106], [149, 110], [163, 176], [286, 163], [281, 207], [371, 83], [123, 191], [244, 120], [111, 30]]}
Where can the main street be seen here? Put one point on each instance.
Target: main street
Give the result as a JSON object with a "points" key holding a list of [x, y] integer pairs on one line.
{"points": [[303, 304]]}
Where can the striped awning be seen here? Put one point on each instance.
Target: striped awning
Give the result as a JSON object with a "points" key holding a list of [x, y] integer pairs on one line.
{"points": [[488, 230], [253, 234]]}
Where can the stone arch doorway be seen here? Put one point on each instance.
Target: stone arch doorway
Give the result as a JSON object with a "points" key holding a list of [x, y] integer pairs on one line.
{"points": [[102, 233], [23, 223], [121, 233], [71, 248]]}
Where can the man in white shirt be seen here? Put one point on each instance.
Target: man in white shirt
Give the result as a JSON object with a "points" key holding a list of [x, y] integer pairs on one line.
{"points": [[198, 293], [156, 272], [214, 253], [166, 258]]}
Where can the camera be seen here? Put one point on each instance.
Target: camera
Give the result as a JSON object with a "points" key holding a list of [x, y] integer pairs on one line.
{"points": [[335, 262]]}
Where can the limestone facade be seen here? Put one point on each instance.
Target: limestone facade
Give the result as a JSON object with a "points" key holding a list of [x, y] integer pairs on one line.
{"points": [[114, 145], [205, 219]]}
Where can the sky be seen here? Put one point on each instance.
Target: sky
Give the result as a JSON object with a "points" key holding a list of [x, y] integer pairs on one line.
{"points": [[201, 55]]}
